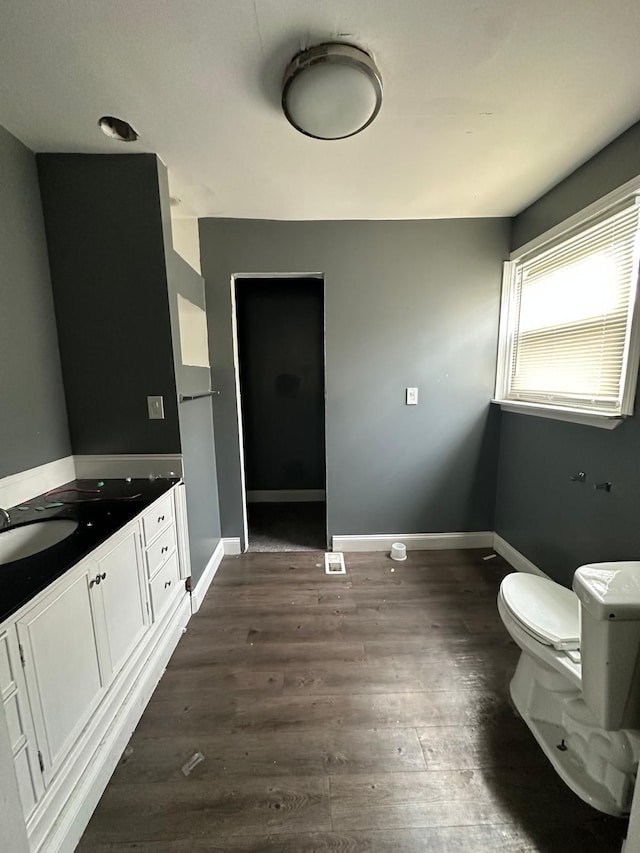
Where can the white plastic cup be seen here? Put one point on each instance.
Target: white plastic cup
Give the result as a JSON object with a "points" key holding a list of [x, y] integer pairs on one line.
{"points": [[398, 551]]}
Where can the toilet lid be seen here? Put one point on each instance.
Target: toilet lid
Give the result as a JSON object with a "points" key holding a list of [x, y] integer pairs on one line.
{"points": [[546, 610]]}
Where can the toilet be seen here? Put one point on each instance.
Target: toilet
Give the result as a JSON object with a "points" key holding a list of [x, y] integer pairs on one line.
{"points": [[577, 682]]}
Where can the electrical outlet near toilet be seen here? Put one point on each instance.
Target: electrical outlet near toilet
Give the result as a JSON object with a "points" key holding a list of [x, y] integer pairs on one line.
{"points": [[412, 397]]}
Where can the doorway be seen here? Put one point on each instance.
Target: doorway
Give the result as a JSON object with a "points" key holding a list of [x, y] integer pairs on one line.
{"points": [[281, 385]]}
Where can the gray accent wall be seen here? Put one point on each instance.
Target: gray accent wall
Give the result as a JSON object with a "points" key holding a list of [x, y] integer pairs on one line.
{"points": [[411, 303], [195, 417], [196, 428], [556, 523], [611, 167], [115, 283], [106, 250], [33, 417]]}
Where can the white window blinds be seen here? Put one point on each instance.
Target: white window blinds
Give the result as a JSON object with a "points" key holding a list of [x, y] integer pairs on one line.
{"points": [[572, 307]]}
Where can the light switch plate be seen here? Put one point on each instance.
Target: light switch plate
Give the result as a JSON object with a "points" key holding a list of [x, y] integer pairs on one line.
{"points": [[412, 396], [155, 407]]}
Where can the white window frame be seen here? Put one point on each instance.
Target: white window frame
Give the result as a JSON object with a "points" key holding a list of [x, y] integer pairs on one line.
{"points": [[505, 341]]}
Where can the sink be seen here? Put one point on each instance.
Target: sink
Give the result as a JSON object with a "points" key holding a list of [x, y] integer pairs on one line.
{"points": [[28, 539]]}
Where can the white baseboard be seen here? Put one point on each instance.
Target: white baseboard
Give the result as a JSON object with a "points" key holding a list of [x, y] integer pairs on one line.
{"points": [[231, 545], [257, 496], [414, 541], [107, 466], [17, 488], [519, 562], [198, 594], [78, 808]]}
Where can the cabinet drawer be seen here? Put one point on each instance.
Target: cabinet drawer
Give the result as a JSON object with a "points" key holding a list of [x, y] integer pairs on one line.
{"points": [[159, 516], [161, 549], [164, 586]]}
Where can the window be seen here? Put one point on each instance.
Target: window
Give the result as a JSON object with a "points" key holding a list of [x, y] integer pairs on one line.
{"points": [[569, 341]]}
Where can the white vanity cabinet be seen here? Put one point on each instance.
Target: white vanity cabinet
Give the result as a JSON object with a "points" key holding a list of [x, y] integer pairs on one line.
{"points": [[60, 650], [79, 663], [162, 556], [121, 608], [75, 639]]}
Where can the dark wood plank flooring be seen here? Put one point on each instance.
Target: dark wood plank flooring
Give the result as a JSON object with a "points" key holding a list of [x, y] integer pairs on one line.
{"points": [[362, 714]]}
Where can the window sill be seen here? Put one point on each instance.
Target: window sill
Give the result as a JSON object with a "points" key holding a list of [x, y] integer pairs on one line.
{"points": [[567, 415]]}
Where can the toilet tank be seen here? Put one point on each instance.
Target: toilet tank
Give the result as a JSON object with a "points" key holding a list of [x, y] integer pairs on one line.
{"points": [[609, 595]]}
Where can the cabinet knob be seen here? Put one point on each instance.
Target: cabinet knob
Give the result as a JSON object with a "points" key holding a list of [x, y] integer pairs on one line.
{"points": [[160, 518], [167, 583], [97, 579], [164, 549], [103, 575], [92, 582]]}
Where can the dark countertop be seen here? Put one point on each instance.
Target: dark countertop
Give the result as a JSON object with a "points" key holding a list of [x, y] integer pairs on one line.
{"points": [[101, 508]]}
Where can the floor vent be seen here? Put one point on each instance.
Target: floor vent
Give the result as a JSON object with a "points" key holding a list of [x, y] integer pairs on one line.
{"points": [[334, 563]]}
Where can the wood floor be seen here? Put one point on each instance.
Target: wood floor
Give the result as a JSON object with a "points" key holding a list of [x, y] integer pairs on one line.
{"points": [[365, 713]]}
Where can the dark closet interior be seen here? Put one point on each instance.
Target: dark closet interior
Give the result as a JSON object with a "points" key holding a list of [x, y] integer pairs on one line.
{"points": [[280, 323]]}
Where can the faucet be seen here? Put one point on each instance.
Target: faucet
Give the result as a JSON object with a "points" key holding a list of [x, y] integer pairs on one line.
{"points": [[5, 518]]}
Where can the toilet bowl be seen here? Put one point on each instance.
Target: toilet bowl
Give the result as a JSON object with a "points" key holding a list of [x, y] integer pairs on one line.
{"points": [[575, 684]]}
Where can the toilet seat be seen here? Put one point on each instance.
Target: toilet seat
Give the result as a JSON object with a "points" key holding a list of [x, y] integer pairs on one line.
{"points": [[548, 612]]}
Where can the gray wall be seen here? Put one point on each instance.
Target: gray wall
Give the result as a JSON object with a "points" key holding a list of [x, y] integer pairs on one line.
{"points": [[281, 355], [407, 303], [106, 250], [33, 417], [196, 428], [556, 523], [195, 417], [617, 163]]}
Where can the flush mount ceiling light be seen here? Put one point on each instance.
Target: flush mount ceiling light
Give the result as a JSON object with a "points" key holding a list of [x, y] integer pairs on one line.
{"points": [[117, 128], [331, 91]]}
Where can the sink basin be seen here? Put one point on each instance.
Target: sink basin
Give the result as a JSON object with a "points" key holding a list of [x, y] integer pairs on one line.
{"points": [[19, 542]]}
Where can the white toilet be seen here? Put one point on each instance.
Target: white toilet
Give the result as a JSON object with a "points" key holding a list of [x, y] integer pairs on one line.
{"points": [[577, 683]]}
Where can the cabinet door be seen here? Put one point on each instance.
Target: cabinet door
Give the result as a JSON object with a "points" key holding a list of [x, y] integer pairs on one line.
{"points": [[62, 665], [17, 713], [122, 590]]}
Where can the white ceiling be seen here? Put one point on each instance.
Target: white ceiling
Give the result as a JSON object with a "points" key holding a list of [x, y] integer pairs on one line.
{"points": [[487, 103]]}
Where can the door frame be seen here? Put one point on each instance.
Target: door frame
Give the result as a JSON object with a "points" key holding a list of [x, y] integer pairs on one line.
{"points": [[238, 276]]}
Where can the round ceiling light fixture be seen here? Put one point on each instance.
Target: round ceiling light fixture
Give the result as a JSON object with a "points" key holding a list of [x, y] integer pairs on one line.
{"points": [[117, 128], [331, 91]]}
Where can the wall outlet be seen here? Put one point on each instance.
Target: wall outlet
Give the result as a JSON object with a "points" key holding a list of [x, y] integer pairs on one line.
{"points": [[155, 407], [412, 396]]}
